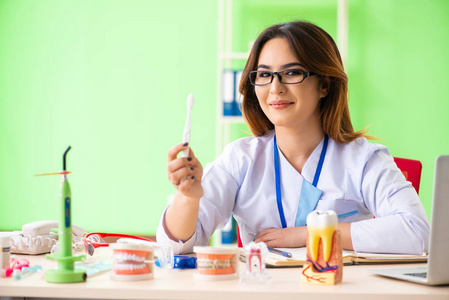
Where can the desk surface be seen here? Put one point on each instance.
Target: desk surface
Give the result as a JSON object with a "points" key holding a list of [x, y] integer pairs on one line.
{"points": [[357, 283]]}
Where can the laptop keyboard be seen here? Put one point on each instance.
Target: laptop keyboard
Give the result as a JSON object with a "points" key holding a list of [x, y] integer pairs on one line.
{"points": [[420, 274]]}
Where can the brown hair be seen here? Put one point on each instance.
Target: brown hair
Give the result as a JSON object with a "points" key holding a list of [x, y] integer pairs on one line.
{"points": [[318, 52]]}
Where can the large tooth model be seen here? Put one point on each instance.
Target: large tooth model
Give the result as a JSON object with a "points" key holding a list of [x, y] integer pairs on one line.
{"points": [[321, 225], [324, 252]]}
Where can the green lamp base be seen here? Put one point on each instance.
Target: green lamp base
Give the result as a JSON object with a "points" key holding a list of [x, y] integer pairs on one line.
{"points": [[65, 272], [64, 276]]}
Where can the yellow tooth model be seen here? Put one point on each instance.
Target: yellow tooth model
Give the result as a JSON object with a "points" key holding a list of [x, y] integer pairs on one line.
{"points": [[324, 253]]}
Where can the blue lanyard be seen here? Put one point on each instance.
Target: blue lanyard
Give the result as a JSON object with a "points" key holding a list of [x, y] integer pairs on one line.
{"points": [[278, 177]]}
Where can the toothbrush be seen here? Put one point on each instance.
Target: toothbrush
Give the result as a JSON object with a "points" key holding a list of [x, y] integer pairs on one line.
{"points": [[186, 136]]}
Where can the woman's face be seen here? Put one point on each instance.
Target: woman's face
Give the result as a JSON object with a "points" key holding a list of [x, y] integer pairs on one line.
{"points": [[291, 105]]}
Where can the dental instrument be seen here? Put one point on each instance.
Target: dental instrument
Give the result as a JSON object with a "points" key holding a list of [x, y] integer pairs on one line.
{"points": [[65, 272]]}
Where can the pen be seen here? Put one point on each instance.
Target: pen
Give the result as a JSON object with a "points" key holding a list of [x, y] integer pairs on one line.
{"points": [[280, 252]]}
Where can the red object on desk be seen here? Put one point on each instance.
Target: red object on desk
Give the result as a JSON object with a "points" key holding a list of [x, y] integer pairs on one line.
{"points": [[239, 240]]}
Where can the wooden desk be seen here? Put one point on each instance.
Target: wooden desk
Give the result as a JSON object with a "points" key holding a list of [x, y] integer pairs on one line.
{"points": [[180, 284]]}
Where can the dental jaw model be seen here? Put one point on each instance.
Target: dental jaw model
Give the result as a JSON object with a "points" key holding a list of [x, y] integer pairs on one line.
{"points": [[216, 263], [132, 261], [324, 251]]}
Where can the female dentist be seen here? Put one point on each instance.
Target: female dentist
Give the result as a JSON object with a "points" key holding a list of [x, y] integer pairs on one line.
{"points": [[304, 155]]}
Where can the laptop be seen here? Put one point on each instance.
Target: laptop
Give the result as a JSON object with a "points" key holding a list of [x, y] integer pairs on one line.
{"points": [[437, 270]]}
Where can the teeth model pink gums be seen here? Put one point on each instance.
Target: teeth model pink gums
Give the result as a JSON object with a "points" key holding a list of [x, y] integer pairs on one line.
{"points": [[132, 262], [216, 263]]}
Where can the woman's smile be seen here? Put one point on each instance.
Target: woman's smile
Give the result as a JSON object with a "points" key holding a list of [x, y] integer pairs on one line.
{"points": [[280, 104]]}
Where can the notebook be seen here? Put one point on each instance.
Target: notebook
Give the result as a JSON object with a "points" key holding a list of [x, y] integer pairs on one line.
{"points": [[437, 270], [299, 257]]}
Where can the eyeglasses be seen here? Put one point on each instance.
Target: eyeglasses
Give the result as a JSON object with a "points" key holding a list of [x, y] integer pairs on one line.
{"points": [[95, 240], [288, 76]]}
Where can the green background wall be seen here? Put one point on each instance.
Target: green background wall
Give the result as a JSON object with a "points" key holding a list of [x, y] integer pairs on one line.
{"points": [[110, 78]]}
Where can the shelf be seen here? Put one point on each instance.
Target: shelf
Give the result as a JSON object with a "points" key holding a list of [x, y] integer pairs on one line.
{"points": [[232, 119]]}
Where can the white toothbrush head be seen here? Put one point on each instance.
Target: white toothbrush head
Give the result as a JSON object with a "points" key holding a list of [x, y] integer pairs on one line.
{"points": [[186, 135], [189, 102]]}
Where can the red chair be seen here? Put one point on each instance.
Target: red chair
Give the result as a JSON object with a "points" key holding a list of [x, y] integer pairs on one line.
{"points": [[409, 167]]}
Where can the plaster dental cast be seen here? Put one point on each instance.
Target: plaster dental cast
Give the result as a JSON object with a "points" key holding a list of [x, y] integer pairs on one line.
{"points": [[304, 155]]}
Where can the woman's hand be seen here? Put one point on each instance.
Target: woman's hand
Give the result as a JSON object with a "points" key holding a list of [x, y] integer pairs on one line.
{"points": [[291, 237], [185, 173], [294, 237]]}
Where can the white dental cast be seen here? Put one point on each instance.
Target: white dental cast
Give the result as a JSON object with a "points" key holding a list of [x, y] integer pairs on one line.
{"points": [[132, 267], [128, 257], [321, 224]]}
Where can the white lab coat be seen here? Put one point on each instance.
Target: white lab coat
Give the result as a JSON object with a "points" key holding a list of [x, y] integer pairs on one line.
{"points": [[359, 180]]}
